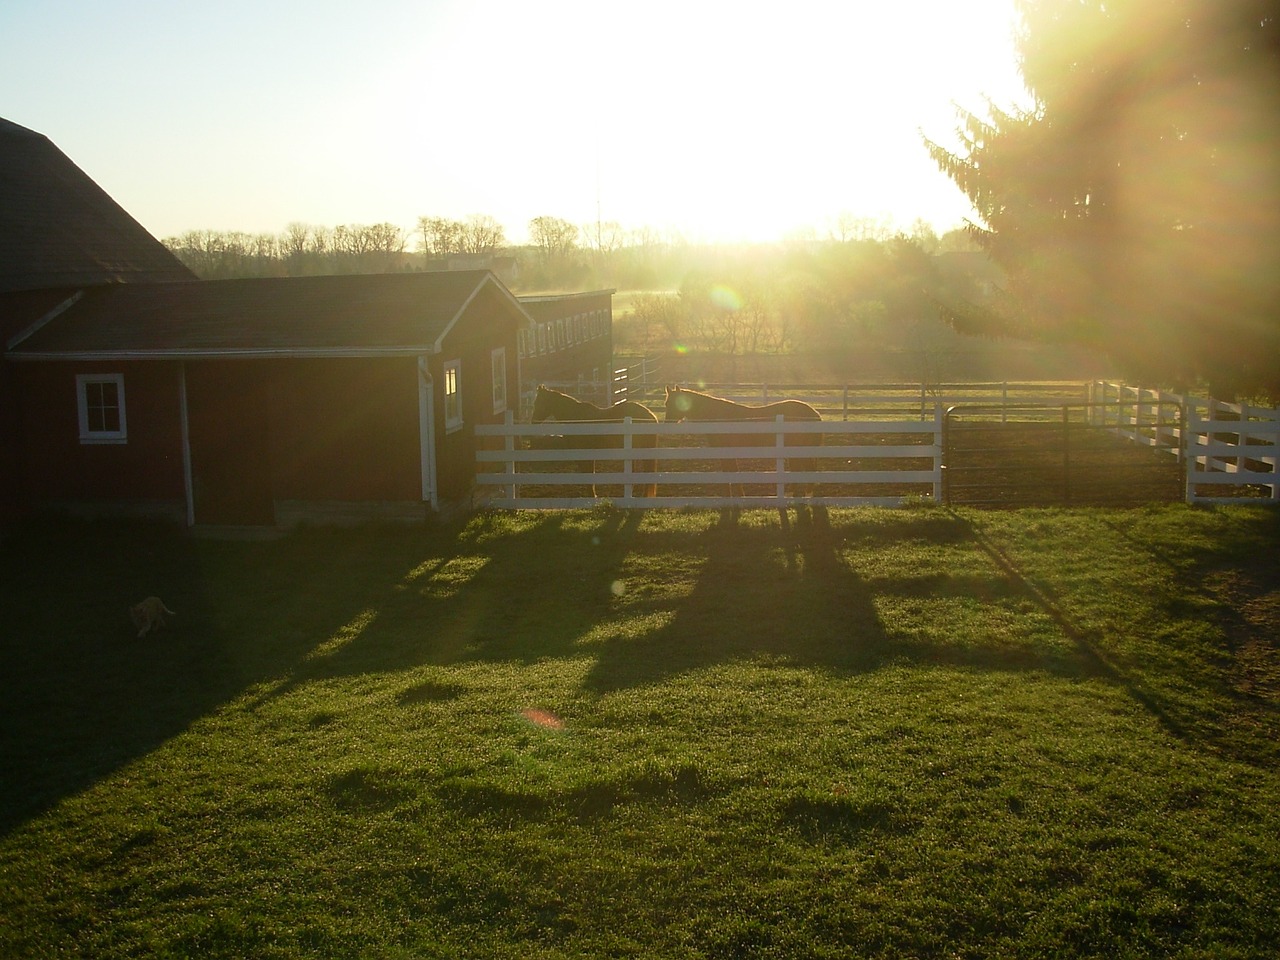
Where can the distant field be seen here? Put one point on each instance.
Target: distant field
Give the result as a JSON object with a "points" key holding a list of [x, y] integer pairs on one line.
{"points": [[924, 733]]}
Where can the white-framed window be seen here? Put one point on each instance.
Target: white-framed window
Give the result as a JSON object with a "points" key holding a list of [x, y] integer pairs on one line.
{"points": [[453, 395], [100, 402], [498, 362]]}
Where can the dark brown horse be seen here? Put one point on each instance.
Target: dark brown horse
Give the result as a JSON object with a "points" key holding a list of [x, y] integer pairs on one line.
{"points": [[551, 404], [683, 404]]}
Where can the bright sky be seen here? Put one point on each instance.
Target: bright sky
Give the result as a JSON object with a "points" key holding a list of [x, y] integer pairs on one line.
{"points": [[725, 120]]}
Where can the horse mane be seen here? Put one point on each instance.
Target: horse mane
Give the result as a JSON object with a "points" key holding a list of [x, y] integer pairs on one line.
{"points": [[745, 410], [593, 412], [701, 393]]}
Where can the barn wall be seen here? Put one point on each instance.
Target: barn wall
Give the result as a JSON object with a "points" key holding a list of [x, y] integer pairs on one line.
{"points": [[491, 321], [552, 358], [346, 430], [13, 500], [144, 474]]}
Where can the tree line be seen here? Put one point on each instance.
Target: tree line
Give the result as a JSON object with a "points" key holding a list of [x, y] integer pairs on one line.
{"points": [[861, 288], [558, 254]]}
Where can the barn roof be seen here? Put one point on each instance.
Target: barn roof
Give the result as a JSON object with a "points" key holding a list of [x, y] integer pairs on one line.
{"points": [[58, 228], [363, 315]]}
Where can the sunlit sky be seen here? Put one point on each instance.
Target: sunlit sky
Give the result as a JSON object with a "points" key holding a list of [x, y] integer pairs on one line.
{"points": [[723, 120]]}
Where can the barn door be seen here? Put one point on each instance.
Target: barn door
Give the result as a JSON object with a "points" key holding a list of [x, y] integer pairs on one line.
{"points": [[227, 429]]}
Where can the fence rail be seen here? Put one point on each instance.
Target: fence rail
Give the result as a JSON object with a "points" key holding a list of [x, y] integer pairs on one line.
{"points": [[1229, 451], [834, 463], [884, 444], [886, 401]]}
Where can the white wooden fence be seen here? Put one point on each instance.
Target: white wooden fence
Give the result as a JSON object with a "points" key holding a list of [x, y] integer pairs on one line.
{"points": [[1229, 450], [884, 463], [889, 401]]}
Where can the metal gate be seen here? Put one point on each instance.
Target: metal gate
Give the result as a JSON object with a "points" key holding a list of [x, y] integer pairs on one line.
{"points": [[1066, 454]]}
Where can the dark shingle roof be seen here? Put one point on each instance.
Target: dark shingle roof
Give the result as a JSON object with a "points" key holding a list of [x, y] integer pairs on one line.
{"points": [[367, 314], [58, 228]]}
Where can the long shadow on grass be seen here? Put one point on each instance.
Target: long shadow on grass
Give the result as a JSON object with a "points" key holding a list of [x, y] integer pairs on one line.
{"points": [[524, 594], [1215, 582], [81, 696], [1095, 654], [757, 591], [788, 594]]}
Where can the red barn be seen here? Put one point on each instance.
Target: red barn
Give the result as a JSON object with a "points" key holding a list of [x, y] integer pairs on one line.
{"points": [[59, 232], [570, 341], [264, 401]]}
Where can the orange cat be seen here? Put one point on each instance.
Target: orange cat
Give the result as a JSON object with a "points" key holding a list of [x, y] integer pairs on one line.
{"points": [[149, 615]]}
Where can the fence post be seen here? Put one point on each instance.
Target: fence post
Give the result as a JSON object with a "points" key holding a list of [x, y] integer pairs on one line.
{"points": [[509, 448], [1189, 415], [945, 466], [939, 434], [626, 463], [1004, 401], [780, 463], [1066, 454]]}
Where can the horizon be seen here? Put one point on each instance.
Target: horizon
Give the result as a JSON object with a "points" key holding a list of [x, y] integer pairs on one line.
{"points": [[720, 125]]}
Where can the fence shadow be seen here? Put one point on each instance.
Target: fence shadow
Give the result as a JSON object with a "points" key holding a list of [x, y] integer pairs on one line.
{"points": [[1171, 687], [636, 603], [759, 591]]}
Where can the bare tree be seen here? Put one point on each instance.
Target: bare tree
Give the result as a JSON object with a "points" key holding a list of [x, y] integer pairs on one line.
{"points": [[440, 237], [386, 245], [553, 237], [294, 245], [481, 233]]}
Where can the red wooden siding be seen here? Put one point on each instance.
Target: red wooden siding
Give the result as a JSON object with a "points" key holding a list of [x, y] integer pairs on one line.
{"points": [[58, 467], [346, 429]]}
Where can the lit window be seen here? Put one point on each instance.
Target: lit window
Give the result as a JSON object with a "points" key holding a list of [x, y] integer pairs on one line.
{"points": [[453, 395], [498, 361], [100, 401]]}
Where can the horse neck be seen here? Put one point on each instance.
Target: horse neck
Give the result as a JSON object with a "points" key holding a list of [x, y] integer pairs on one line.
{"points": [[716, 405], [571, 408], [632, 409]]}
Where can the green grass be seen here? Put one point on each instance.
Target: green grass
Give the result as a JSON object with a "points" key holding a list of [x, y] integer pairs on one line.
{"points": [[915, 733]]}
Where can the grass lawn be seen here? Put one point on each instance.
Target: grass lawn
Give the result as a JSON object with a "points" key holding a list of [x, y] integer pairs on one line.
{"points": [[919, 733]]}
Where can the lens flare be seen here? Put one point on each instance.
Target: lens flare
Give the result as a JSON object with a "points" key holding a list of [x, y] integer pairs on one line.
{"points": [[542, 718], [726, 298]]}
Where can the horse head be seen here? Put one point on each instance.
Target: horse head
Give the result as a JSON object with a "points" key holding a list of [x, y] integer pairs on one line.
{"points": [[677, 404], [540, 401]]}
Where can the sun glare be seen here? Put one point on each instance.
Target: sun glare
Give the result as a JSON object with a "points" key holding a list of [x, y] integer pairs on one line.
{"points": [[711, 120], [718, 120]]}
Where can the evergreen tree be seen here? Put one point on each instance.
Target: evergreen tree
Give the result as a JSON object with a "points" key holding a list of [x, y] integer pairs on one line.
{"points": [[1135, 206]]}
